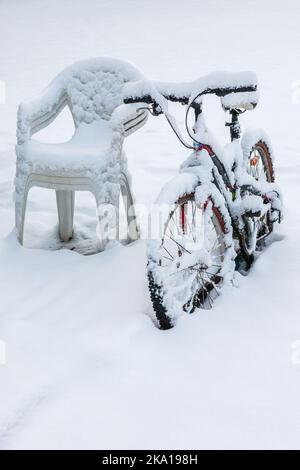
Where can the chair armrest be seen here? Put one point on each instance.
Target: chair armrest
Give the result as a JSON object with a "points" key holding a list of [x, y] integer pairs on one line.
{"points": [[38, 113], [130, 117]]}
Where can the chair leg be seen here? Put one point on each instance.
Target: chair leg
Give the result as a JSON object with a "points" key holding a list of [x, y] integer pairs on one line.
{"points": [[133, 230], [65, 208], [20, 210], [107, 213], [100, 230]]}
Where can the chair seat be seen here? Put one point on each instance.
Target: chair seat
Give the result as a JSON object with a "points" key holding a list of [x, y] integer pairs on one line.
{"points": [[92, 146]]}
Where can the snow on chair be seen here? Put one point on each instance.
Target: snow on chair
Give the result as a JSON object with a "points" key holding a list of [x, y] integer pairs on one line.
{"points": [[93, 159]]}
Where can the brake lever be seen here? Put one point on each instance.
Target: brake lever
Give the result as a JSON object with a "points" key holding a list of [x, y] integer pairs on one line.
{"points": [[155, 109]]}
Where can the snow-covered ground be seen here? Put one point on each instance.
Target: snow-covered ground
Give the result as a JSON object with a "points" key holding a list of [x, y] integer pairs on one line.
{"points": [[85, 366]]}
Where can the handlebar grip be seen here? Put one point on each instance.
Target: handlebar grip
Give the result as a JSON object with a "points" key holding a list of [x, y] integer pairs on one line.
{"points": [[147, 99]]}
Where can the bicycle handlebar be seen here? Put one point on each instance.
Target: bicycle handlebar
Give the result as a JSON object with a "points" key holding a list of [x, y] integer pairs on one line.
{"points": [[186, 95], [184, 99]]}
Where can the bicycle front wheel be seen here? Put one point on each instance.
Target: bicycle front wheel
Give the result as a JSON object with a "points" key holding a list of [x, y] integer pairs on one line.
{"points": [[186, 269]]}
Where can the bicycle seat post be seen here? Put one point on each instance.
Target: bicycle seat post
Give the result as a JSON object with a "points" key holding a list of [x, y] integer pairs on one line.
{"points": [[235, 128]]}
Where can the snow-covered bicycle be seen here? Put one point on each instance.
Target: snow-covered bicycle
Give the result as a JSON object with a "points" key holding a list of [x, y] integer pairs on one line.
{"points": [[223, 204]]}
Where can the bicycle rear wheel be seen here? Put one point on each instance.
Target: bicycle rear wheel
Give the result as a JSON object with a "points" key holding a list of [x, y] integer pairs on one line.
{"points": [[259, 165], [259, 162]]}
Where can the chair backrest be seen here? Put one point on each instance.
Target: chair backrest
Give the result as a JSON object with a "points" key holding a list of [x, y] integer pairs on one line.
{"points": [[94, 87]]}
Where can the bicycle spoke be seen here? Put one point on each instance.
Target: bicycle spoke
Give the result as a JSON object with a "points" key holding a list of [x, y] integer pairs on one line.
{"points": [[181, 246], [168, 252]]}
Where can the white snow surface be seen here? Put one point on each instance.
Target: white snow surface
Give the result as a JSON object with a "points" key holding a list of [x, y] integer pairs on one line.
{"points": [[85, 366]]}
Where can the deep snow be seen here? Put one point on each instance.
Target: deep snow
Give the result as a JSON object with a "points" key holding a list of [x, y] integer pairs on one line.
{"points": [[85, 367]]}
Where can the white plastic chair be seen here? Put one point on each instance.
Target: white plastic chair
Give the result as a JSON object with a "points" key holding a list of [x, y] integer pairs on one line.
{"points": [[93, 159]]}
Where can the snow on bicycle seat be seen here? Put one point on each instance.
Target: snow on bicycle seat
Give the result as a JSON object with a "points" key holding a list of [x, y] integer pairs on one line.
{"points": [[241, 100]]}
